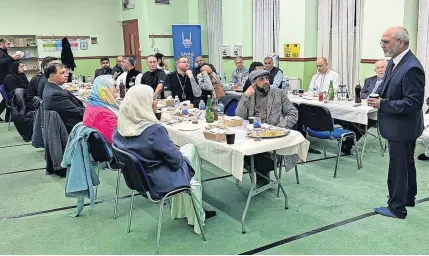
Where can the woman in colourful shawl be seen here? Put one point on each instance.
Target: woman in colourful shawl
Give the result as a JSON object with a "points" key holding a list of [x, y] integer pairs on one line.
{"points": [[102, 111]]}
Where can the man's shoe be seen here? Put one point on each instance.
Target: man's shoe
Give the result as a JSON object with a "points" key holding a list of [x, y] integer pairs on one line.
{"points": [[346, 151], [210, 214], [386, 212], [423, 157], [314, 151]]}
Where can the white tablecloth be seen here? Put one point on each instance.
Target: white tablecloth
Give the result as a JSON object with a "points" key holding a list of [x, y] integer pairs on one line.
{"points": [[230, 158], [342, 110]]}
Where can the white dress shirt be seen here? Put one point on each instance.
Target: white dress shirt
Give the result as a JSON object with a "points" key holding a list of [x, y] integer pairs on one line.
{"points": [[320, 82], [398, 58]]}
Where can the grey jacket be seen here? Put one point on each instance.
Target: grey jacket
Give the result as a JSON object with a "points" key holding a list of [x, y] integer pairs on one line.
{"points": [[55, 136], [280, 110]]}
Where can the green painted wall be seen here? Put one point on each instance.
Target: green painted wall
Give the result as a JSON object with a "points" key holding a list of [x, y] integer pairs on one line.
{"points": [[411, 15]]}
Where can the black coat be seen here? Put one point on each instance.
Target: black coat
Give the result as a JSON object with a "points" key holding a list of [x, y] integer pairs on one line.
{"points": [[32, 89], [41, 86], [68, 106], [14, 79], [5, 61], [66, 55], [22, 117]]}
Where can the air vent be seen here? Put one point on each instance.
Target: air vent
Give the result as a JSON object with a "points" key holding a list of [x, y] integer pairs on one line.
{"points": [[162, 1]]}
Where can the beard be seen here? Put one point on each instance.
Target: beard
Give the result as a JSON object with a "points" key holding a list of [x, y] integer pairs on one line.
{"points": [[263, 89], [394, 51]]}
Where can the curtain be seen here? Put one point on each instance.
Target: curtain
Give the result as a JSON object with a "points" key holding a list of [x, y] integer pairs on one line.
{"points": [[423, 43], [324, 28], [342, 45], [266, 28], [215, 34]]}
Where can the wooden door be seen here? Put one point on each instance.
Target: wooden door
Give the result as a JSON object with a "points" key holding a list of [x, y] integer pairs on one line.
{"points": [[131, 41]]}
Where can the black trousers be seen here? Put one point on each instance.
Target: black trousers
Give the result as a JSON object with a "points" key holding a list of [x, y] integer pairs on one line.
{"points": [[263, 163], [401, 179]]}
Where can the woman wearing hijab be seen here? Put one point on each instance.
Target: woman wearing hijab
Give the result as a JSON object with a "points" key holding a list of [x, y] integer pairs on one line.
{"points": [[167, 167], [15, 79], [102, 111]]}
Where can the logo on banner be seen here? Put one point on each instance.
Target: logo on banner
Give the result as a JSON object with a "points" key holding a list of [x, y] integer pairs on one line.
{"points": [[187, 42]]}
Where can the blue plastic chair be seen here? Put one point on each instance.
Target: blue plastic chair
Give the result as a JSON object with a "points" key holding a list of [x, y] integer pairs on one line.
{"points": [[318, 123]]}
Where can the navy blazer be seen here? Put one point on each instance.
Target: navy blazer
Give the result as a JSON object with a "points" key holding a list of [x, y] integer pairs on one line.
{"points": [[368, 87], [402, 96], [68, 106]]}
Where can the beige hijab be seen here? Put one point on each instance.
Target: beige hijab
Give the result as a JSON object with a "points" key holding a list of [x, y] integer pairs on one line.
{"points": [[135, 112]]}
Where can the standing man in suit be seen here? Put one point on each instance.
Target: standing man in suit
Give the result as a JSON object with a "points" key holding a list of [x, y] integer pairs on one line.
{"points": [[372, 83], [400, 119], [57, 99]]}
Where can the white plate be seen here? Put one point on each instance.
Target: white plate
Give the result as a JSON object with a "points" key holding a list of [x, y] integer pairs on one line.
{"points": [[187, 127], [161, 106]]}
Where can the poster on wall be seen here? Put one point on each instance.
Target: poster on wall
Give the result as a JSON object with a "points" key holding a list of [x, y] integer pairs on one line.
{"points": [[48, 45], [58, 45], [292, 51], [74, 44], [84, 44], [187, 42]]}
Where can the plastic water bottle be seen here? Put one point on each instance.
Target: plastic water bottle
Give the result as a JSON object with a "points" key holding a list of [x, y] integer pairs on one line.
{"points": [[202, 105], [286, 85], [224, 78], [220, 109], [257, 128], [176, 103]]}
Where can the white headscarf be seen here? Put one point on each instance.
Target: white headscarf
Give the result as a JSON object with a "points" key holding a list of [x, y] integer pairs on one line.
{"points": [[135, 112]]}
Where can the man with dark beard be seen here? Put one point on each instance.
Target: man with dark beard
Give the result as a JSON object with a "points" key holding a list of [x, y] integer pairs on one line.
{"points": [[105, 68], [273, 107]]}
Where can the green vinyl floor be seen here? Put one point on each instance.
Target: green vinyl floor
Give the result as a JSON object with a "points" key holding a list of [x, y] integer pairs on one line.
{"points": [[326, 215]]}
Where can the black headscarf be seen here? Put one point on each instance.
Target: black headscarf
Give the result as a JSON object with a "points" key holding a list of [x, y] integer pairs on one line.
{"points": [[13, 71]]}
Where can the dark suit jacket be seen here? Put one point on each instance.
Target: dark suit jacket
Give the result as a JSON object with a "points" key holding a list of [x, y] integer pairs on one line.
{"points": [[402, 96], [368, 87], [102, 71], [68, 106]]}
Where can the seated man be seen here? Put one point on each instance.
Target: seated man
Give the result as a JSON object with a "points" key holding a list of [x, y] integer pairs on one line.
{"points": [[209, 84], [372, 83], [55, 98], [182, 83], [155, 77], [131, 75], [320, 81], [239, 75], [272, 106], [105, 68], [275, 74], [117, 69], [199, 62]]}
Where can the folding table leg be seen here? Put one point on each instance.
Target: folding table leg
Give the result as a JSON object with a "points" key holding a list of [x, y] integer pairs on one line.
{"points": [[252, 187]]}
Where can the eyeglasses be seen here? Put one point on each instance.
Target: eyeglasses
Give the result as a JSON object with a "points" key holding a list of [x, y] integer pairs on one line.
{"points": [[383, 42]]}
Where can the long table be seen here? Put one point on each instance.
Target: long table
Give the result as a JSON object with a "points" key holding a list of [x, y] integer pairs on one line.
{"points": [[230, 158]]}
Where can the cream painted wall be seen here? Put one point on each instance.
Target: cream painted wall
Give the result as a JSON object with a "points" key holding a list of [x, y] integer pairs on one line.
{"points": [[237, 24], [157, 19], [87, 18], [375, 22], [292, 25]]}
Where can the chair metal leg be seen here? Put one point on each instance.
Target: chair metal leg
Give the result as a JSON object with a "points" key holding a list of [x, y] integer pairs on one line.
{"points": [[98, 175], [280, 174], [252, 187], [9, 123], [358, 159], [131, 212], [340, 143], [158, 234], [296, 174], [115, 210], [237, 182], [197, 213], [324, 149]]}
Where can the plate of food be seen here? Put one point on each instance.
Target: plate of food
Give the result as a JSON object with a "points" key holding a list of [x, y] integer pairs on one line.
{"points": [[72, 88], [187, 127], [269, 134]]}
